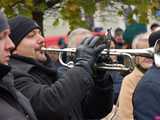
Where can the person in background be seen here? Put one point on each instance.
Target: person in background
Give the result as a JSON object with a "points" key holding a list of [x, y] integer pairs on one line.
{"points": [[129, 83], [154, 26], [61, 43], [13, 105], [146, 97], [76, 36], [116, 75], [118, 38], [72, 95]]}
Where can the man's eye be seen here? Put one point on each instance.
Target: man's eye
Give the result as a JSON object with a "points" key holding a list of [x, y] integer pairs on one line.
{"points": [[40, 32], [30, 35]]}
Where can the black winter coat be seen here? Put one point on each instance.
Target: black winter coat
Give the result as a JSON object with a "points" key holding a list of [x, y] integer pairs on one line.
{"points": [[13, 105], [71, 96]]}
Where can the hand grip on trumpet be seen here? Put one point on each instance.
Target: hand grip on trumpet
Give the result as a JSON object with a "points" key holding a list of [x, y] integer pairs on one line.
{"points": [[87, 52]]}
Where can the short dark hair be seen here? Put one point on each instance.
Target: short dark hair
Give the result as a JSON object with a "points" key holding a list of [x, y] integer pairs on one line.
{"points": [[118, 31], [154, 25], [154, 36]]}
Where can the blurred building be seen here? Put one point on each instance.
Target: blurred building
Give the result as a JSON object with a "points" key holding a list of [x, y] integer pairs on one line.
{"points": [[102, 19]]}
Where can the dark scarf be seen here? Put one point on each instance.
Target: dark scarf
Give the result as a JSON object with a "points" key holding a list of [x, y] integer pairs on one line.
{"points": [[47, 67]]}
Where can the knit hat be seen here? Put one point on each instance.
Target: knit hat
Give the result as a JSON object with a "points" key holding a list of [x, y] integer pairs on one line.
{"points": [[20, 27], [154, 37], [3, 22]]}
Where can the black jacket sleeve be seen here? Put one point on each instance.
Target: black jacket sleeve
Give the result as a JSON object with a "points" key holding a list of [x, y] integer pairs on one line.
{"points": [[54, 102], [99, 100]]}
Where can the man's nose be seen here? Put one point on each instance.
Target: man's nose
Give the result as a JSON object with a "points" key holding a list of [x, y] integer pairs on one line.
{"points": [[40, 39], [10, 45]]}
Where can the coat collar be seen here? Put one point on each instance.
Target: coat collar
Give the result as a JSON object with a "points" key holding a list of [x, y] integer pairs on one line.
{"points": [[6, 77], [20, 62], [4, 69], [26, 64]]}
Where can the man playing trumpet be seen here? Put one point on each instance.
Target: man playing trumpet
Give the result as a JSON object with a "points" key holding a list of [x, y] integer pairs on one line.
{"points": [[73, 95]]}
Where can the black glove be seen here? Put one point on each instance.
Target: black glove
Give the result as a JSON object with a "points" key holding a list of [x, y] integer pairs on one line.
{"points": [[102, 77], [87, 53], [104, 59]]}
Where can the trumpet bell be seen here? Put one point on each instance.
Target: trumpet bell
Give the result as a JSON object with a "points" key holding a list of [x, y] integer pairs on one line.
{"points": [[157, 53]]}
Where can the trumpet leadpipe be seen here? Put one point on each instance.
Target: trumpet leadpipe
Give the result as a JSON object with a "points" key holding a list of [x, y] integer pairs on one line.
{"points": [[58, 50], [148, 52]]}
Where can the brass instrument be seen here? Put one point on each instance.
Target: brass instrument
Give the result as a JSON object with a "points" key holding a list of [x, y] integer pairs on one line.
{"points": [[153, 52]]}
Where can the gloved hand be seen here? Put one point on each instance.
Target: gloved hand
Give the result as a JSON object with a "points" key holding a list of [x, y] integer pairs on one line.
{"points": [[104, 59], [87, 53], [102, 77]]}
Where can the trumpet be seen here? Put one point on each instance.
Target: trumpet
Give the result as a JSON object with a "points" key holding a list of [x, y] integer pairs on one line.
{"points": [[153, 52]]}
